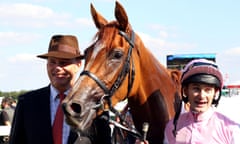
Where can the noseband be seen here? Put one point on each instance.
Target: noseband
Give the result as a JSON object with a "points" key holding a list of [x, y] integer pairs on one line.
{"points": [[121, 76]]}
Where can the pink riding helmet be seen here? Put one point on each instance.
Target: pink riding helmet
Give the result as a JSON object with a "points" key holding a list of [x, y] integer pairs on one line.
{"points": [[203, 71]]}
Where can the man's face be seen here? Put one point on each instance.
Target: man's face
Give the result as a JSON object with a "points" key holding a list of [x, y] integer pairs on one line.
{"points": [[62, 72], [200, 96]]}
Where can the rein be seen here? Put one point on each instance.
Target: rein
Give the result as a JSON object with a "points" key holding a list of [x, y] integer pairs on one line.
{"points": [[121, 76]]}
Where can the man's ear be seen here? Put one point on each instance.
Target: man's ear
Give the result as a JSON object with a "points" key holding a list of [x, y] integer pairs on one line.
{"points": [[184, 94], [216, 97], [79, 62], [217, 91]]}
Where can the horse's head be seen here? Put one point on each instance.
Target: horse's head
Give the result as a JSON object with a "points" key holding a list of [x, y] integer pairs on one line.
{"points": [[108, 66]]}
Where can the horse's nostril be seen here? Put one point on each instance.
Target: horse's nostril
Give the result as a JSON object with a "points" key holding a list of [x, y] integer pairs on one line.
{"points": [[76, 107]]}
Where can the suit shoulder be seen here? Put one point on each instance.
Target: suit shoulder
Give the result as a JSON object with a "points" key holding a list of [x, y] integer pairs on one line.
{"points": [[34, 93]]}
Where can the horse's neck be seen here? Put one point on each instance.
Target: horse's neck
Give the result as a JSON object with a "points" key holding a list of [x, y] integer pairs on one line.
{"points": [[152, 73], [154, 98]]}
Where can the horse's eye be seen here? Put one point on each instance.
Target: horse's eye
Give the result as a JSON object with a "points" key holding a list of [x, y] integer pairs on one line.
{"points": [[117, 55]]}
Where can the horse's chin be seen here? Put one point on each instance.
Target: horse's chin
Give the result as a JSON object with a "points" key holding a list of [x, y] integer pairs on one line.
{"points": [[81, 123]]}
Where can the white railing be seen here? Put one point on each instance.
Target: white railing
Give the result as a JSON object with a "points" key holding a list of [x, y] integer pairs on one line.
{"points": [[5, 130]]}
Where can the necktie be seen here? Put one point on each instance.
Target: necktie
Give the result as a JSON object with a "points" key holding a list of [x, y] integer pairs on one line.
{"points": [[58, 123]]}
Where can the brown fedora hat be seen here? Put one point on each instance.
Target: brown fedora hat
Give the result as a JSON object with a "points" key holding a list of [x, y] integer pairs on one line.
{"points": [[63, 46]]}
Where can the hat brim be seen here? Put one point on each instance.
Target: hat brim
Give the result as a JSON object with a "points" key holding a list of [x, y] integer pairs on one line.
{"points": [[62, 55]]}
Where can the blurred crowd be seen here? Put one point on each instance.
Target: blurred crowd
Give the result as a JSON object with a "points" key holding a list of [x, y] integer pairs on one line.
{"points": [[8, 105]]}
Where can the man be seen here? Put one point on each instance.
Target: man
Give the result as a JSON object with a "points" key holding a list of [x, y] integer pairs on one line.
{"points": [[201, 88], [13, 103], [6, 115], [34, 120]]}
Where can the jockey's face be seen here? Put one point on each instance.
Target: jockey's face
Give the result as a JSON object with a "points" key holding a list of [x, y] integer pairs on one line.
{"points": [[200, 96]]}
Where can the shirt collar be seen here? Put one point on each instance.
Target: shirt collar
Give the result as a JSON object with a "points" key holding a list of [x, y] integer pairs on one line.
{"points": [[197, 117], [54, 92]]}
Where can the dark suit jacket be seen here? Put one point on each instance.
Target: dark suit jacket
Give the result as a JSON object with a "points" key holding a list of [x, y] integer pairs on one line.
{"points": [[32, 123]]}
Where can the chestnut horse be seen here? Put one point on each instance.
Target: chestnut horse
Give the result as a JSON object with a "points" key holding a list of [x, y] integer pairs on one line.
{"points": [[118, 66]]}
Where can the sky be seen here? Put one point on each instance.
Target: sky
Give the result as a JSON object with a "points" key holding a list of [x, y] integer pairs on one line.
{"points": [[166, 27]]}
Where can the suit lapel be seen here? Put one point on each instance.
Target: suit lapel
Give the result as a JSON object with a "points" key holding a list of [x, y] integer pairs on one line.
{"points": [[43, 107]]}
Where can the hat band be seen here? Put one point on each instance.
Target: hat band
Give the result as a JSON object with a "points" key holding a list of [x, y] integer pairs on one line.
{"points": [[64, 48]]}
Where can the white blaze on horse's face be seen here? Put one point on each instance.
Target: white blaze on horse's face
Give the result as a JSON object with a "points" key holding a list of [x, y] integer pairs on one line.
{"points": [[97, 48]]}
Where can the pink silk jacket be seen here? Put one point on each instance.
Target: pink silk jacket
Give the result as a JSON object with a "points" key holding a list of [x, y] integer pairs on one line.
{"points": [[210, 127]]}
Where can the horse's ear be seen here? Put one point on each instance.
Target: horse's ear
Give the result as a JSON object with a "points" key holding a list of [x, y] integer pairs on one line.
{"points": [[121, 16], [176, 77], [98, 19]]}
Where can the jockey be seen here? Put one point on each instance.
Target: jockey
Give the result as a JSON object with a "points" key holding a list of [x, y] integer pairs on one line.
{"points": [[201, 88]]}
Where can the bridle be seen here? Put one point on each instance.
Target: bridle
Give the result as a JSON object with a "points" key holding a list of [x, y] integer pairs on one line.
{"points": [[121, 76], [108, 93]]}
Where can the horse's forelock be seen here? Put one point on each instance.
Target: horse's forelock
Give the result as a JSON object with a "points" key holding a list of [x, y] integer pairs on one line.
{"points": [[106, 36]]}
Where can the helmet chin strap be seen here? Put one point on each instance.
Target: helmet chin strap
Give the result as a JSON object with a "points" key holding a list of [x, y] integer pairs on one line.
{"points": [[217, 98]]}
